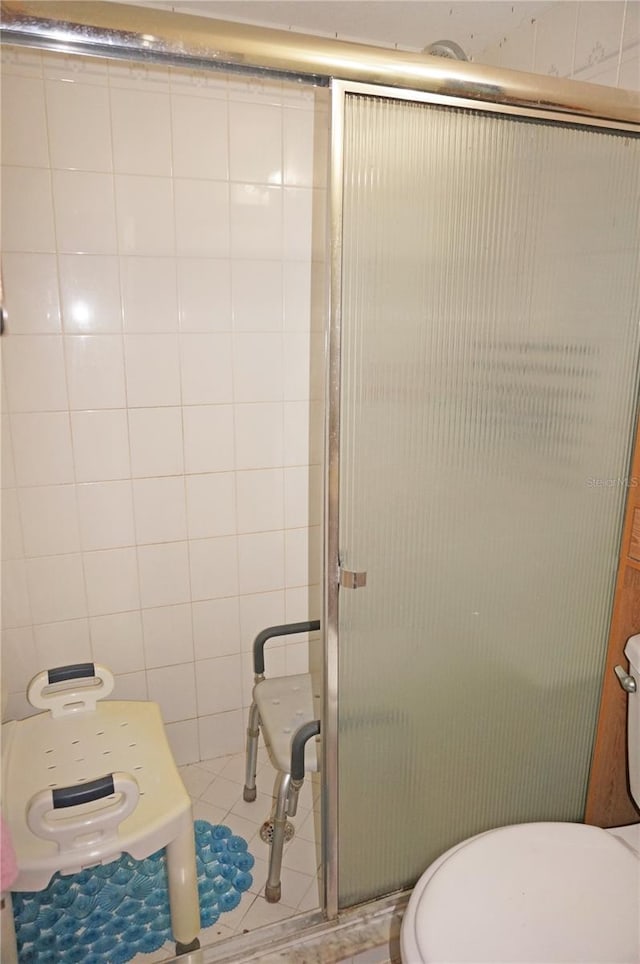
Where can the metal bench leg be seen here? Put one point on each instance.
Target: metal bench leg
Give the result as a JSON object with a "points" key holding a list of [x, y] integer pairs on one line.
{"points": [[273, 887], [253, 732], [183, 889]]}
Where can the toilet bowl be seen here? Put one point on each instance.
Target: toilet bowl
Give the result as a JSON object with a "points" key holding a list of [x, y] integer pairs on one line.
{"points": [[544, 893]]}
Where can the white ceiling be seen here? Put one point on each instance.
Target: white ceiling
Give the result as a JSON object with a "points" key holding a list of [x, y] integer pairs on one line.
{"points": [[407, 24]]}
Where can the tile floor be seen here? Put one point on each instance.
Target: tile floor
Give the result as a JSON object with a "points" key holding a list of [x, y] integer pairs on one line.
{"points": [[215, 787]]}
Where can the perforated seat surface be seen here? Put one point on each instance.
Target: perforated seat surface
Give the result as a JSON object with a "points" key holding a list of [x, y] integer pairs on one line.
{"points": [[40, 752], [285, 703]]}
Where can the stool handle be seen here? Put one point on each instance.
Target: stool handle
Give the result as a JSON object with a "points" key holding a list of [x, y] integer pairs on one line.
{"points": [[287, 629], [298, 743], [89, 831], [94, 683]]}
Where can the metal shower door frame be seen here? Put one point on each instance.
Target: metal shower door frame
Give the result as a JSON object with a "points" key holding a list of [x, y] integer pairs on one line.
{"points": [[574, 115]]}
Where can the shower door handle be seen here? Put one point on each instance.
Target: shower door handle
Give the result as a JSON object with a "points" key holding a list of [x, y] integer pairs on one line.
{"points": [[352, 580]]}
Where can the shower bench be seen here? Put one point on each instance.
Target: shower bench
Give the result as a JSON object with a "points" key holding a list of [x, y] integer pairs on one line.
{"points": [[287, 710]]}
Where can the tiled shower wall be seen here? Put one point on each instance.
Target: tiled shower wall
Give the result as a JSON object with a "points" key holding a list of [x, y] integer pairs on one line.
{"points": [[597, 41], [162, 380]]}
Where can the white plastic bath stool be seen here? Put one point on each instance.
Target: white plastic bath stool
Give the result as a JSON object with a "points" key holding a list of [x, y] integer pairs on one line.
{"points": [[87, 781]]}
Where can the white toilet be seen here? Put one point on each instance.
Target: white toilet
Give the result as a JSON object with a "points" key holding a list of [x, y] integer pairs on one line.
{"points": [[543, 893]]}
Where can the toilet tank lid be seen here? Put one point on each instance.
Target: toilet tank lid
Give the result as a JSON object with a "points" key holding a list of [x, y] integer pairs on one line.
{"points": [[632, 651]]}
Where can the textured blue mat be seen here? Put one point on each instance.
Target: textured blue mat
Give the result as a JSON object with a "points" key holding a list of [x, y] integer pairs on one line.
{"points": [[107, 915]]}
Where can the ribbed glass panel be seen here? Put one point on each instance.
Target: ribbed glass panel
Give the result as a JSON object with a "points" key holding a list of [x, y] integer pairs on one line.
{"points": [[489, 382]]}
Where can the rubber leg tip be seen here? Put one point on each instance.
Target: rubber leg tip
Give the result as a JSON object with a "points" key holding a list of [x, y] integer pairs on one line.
{"points": [[249, 794], [273, 894], [187, 948]]}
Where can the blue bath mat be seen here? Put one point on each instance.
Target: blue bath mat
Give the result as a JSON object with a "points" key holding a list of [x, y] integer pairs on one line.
{"points": [[107, 915]]}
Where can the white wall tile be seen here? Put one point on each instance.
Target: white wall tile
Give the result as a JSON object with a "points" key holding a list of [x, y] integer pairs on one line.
{"points": [[297, 295], [216, 627], [27, 210], [218, 685], [296, 552], [112, 581], [260, 500], [631, 30], [255, 143], [20, 661], [257, 611], [156, 441], [164, 574], [296, 432], [22, 61], [42, 448], [202, 218], [34, 372], [598, 33], [152, 369], [208, 438], [149, 294], [259, 435], [199, 137], [206, 368], [257, 295], [49, 517], [211, 505], [87, 70], [141, 124], [297, 496], [204, 294], [95, 371], [160, 510], [116, 641], [105, 511], [298, 223], [16, 606], [257, 367], [256, 221], [90, 292], [555, 39], [298, 146], [79, 126], [138, 76], [63, 643], [24, 127], [11, 530], [100, 445], [297, 365], [84, 211], [183, 740], [56, 588], [32, 303], [214, 567], [168, 635], [221, 735], [629, 73], [145, 215], [131, 686], [173, 688], [261, 562]]}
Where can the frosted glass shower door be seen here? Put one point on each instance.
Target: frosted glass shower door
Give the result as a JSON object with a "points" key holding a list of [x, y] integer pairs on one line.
{"points": [[488, 376]]}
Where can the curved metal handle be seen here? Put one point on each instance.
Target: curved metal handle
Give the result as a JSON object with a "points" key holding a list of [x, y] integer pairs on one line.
{"points": [[627, 682]]}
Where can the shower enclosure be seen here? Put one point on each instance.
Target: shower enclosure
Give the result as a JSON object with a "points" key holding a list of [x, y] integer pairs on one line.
{"points": [[486, 360], [482, 398]]}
